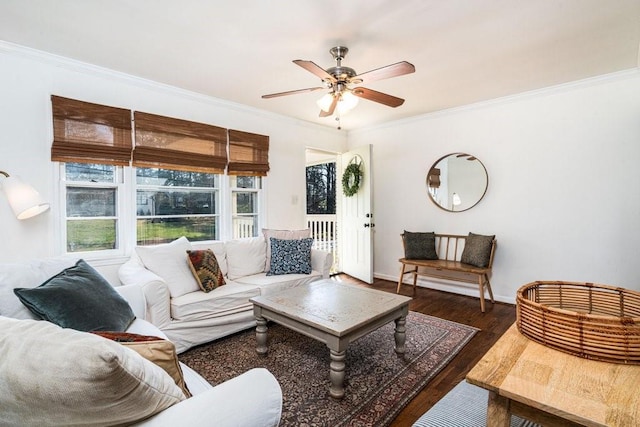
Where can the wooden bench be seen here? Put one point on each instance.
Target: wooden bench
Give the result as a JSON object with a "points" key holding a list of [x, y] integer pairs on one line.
{"points": [[449, 248]]}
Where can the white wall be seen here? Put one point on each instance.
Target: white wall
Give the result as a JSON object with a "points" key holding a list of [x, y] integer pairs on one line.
{"points": [[564, 183], [28, 79], [563, 165]]}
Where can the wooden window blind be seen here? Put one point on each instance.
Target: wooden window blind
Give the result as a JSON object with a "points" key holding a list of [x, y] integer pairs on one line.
{"points": [[248, 154], [168, 143], [90, 133]]}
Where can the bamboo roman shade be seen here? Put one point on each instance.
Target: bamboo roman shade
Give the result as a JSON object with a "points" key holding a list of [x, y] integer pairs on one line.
{"points": [[164, 142], [248, 154], [90, 133]]}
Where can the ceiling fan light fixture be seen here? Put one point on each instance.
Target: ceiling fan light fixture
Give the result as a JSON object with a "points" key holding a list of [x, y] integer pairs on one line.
{"points": [[347, 102], [325, 102]]}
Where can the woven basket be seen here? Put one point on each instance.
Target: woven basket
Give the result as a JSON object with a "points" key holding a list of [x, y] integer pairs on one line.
{"points": [[593, 321]]}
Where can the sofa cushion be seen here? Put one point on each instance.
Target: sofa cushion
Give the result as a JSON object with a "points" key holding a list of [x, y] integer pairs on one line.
{"points": [[205, 269], [420, 245], [477, 250], [290, 256], [283, 235], [79, 298], [273, 284], [245, 256], [157, 350], [170, 262], [230, 298], [57, 376]]}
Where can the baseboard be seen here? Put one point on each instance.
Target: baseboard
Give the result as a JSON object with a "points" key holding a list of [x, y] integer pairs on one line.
{"points": [[459, 288]]}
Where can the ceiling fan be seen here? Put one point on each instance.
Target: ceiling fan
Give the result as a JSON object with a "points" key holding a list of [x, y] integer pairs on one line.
{"points": [[339, 80]]}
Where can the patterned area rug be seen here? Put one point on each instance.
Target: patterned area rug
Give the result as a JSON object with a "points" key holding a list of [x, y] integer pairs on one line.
{"points": [[378, 383]]}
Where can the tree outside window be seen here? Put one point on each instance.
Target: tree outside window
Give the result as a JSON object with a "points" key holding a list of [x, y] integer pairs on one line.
{"points": [[321, 189]]}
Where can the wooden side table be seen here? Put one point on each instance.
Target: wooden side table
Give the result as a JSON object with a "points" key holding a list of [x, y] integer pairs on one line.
{"points": [[555, 388]]}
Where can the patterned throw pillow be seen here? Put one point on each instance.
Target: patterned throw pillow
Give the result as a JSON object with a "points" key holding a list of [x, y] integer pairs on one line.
{"points": [[283, 235], [477, 250], [420, 245], [290, 256], [154, 349], [206, 270]]}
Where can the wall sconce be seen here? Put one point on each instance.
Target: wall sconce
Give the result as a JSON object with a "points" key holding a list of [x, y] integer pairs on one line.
{"points": [[25, 201]]}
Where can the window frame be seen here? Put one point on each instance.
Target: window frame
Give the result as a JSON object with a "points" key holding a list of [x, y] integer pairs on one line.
{"points": [[217, 194], [126, 209], [259, 191]]}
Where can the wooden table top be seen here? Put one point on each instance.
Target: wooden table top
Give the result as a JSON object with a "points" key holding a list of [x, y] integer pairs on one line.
{"points": [[333, 307], [584, 391]]}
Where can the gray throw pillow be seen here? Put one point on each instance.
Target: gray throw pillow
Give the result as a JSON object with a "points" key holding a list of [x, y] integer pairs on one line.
{"points": [[420, 245], [78, 298], [477, 250]]}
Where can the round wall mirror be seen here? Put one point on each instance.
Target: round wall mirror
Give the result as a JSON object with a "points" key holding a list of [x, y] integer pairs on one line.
{"points": [[457, 182]]}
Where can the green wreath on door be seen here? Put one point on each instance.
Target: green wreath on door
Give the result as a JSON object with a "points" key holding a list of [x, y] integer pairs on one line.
{"points": [[351, 178]]}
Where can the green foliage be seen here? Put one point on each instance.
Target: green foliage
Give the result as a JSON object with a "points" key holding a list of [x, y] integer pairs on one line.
{"points": [[351, 179]]}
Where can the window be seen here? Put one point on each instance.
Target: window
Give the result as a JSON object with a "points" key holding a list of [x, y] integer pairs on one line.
{"points": [[91, 194], [171, 204], [132, 178], [168, 204], [244, 205], [321, 189]]}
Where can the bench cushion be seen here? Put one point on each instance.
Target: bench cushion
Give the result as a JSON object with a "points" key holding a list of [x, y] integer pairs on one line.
{"points": [[477, 250], [420, 245]]}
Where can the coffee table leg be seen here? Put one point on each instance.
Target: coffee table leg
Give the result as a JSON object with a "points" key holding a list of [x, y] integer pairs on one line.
{"points": [[498, 414], [400, 334], [261, 335], [336, 374]]}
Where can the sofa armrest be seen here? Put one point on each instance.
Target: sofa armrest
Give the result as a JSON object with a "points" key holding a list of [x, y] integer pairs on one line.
{"points": [[250, 399], [135, 297], [321, 261], [155, 290]]}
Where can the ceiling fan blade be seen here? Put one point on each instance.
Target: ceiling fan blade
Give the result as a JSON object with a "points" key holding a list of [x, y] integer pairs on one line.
{"points": [[291, 92], [376, 96], [393, 70], [314, 68], [332, 108]]}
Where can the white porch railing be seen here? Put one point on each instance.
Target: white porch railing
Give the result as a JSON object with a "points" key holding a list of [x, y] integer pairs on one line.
{"points": [[324, 230], [244, 227]]}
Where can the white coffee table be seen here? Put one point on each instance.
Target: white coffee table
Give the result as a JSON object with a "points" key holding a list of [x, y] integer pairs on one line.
{"points": [[333, 313]]}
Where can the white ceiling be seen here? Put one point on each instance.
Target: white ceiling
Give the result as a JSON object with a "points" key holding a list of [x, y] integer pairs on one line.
{"points": [[464, 51]]}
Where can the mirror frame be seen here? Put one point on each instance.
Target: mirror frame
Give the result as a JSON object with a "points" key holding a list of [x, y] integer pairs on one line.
{"points": [[435, 177]]}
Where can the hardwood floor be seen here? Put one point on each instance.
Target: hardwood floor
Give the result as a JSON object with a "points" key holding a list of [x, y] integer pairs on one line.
{"points": [[457, 308]]}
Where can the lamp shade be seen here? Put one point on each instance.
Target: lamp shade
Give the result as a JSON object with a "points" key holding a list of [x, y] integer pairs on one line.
{"points": [[25, 201], [325, 102]]}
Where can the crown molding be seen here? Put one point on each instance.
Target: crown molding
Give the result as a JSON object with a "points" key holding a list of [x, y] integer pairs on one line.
{"points": [[107, 73], [550, 90]]}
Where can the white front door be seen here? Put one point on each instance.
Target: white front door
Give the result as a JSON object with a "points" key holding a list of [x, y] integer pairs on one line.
{"points": [[357, 222]]}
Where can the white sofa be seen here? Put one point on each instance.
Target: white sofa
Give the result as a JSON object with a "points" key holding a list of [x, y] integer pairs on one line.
{"points": [[260, 405], [194, 317]]}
